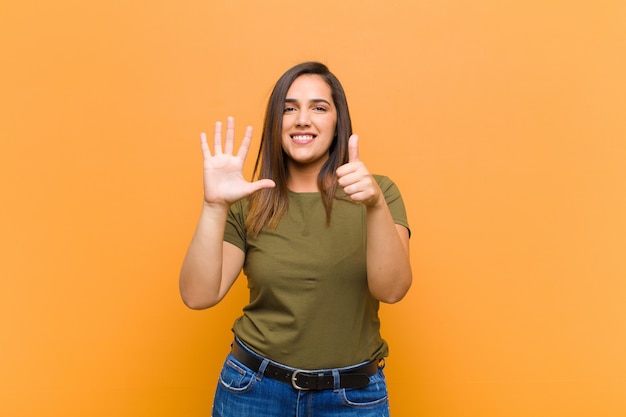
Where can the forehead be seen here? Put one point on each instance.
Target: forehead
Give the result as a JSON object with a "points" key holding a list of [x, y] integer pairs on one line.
{"points": [[309, 86]]}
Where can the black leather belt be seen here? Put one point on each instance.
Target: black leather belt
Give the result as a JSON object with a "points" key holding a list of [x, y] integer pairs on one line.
{"points": [[308, 380]]}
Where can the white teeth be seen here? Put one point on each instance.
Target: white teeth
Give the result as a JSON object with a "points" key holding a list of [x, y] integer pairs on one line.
{"points": [[302, 138]]}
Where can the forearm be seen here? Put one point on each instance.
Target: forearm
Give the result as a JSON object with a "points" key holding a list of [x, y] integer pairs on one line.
{"points": [[388, 265], [201, 273]]}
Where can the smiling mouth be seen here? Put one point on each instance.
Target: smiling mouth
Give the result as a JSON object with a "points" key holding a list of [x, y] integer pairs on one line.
{"points": [[302, 138]]}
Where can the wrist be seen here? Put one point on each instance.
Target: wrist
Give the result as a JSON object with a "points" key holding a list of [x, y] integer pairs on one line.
{"points": [[213, 207], [377, 204]]}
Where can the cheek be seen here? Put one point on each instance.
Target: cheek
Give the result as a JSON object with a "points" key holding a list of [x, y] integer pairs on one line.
{"points": [[285, 142], [287, 126], [332, 125], [284, 131]]}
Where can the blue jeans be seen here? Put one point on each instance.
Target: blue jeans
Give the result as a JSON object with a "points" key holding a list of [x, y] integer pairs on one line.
{"points": [[243, 393]]}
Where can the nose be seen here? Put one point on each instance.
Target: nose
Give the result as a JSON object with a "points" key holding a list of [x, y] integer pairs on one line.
{"points": [[303, 119]]}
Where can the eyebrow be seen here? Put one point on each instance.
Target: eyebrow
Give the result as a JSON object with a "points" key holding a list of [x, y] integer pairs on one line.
{"points": [[315, 100]]}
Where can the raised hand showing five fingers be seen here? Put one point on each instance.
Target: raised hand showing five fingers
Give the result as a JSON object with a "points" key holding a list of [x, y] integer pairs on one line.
{"points": [[356, 180], [224, 183]]}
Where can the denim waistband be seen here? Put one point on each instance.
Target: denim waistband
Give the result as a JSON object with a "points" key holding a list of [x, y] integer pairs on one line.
{"points": [[355, 376]]}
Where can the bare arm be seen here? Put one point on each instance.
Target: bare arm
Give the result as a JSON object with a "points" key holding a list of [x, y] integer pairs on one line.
{"points": [[388, 267], [389, 273], [211, 265]]}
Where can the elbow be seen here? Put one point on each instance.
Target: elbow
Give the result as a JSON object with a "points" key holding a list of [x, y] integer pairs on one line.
{"points": [[195, 304], [394, 294], [196, 301], [392, 297], [195, 295]]}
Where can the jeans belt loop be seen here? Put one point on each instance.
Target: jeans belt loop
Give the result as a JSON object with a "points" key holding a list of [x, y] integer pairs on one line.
{"points": [[336, 379], [261, 371]]}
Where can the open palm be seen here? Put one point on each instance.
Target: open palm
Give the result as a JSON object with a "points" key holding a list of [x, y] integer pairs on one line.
{"points": [[224, 183]]}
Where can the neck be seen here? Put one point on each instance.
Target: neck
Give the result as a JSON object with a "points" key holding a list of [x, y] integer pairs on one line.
{"points": [[302, 183], [303, 179]]}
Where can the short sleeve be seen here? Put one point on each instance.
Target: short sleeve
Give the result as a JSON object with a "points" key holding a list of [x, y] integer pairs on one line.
{"points": [[235, 231], [394, 200]]}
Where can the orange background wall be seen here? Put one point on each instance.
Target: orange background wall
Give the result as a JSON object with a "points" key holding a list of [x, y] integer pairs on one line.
{"points": [[502, 122]]}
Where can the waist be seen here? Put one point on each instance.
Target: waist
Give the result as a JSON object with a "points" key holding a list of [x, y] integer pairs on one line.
{"points": [[316, 342], [356, 376]]}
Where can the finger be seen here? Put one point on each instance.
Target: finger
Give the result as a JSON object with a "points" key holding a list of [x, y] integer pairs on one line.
{"points": [[245, 143], [255, 186], [230, 135], [205, 146], [264, 183], [353, 148], [217, 138]]}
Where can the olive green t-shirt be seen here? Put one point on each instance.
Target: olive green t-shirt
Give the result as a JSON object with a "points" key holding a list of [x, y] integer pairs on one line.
{"points": [[310, 307]]}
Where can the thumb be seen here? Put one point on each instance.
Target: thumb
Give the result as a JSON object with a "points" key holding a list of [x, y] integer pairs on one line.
{"points": [[353, 148], [263, 183]]}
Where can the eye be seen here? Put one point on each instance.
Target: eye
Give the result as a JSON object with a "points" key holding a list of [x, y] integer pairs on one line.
{"points": [[289, 109], [319, 109]]}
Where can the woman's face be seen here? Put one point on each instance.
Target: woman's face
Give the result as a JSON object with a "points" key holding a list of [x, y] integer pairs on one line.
{"points": [[309, 121]]}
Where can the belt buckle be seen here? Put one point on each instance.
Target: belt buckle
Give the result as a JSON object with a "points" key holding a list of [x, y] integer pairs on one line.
{"points": [[294, 381]]}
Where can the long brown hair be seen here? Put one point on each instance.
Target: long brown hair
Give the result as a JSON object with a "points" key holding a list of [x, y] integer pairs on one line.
{"points": [[267, 206]]}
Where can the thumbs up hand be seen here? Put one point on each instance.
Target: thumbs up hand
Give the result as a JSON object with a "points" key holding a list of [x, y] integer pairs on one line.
{"points": [[356, 180]]}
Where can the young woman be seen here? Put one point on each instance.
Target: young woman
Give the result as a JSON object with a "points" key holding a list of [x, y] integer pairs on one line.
{"points": [[321, 241]]}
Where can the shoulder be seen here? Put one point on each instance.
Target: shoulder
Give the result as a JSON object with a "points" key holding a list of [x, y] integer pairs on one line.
{"points": [[388, 187], [239, 207], [383, 181], [394, 200], [235, 231], [238, 212]]}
